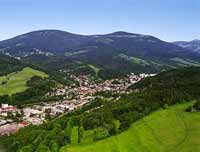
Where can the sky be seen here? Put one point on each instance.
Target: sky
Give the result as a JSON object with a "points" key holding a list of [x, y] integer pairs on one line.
{"points": [[169, 20]]}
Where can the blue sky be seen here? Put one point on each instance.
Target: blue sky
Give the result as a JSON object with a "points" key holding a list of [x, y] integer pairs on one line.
{"points": [[169, 20]]}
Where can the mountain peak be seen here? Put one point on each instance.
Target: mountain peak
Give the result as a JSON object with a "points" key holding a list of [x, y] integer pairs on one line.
{"points": [[48, 32], [121, 33]]}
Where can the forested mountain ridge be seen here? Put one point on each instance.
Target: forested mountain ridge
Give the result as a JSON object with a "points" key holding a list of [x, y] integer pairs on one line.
{"points": [[128, 52], [193, 45]]}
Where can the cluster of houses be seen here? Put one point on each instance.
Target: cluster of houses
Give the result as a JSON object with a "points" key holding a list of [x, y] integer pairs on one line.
{"points": [[5, 109], [73, 98], [7, 125], [11, 128], [88, 88]]}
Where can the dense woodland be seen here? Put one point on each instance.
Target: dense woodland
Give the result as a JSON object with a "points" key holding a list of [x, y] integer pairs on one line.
{"points": [[107, 118]]}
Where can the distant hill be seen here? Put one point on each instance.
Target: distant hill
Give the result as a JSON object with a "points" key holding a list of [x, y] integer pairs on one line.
{"points": [[190, 45], [128, 52]]}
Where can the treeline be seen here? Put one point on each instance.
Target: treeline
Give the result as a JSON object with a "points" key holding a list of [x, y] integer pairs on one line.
{"points": [[107, 118], [35, 93]]}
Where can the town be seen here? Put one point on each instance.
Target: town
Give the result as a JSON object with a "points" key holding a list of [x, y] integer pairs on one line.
{"points": [[13, 118]]}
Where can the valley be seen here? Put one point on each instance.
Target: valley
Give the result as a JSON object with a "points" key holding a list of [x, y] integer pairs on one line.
{"points": [[71, 98], [120, 91], [135, 113], [99, 76]]}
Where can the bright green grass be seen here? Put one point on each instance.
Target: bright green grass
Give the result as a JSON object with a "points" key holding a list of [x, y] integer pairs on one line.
{"points": [[16, 82], [96, 69], [170, 130]]}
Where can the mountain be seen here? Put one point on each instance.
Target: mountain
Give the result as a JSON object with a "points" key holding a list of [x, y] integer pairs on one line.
{"points": [[128, 52], [54, 41], [191, 45], [57, 42]]}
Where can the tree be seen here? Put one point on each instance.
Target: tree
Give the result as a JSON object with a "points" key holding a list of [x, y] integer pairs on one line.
{"points": [[54, 146], [28, 148], [68, 130], [80, 133], [42, 148]]}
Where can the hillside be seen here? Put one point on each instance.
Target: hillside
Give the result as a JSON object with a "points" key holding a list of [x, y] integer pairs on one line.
{"points": [[106, 119], [172, 129], [128, 52], [190, 45], [17, 82]]}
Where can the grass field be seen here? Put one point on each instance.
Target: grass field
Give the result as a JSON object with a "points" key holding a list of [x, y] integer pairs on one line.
{"points": [[169, 130], [16, 82]]}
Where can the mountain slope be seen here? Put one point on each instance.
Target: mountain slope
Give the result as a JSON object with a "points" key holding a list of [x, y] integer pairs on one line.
{"points": [[54, 41], [9, 64], [191, 45]]}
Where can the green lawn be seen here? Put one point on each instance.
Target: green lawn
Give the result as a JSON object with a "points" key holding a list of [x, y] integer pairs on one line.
{"points": [[16, 82], [170, 130]]}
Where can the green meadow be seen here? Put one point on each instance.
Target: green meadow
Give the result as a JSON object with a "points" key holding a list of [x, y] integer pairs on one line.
{"points": [[166, 130], [16, 82]]}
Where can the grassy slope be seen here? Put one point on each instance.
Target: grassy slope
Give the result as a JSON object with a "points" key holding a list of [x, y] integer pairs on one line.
{"points": [[96, 69], [16, 82], [185, 62], [170, 130]]}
